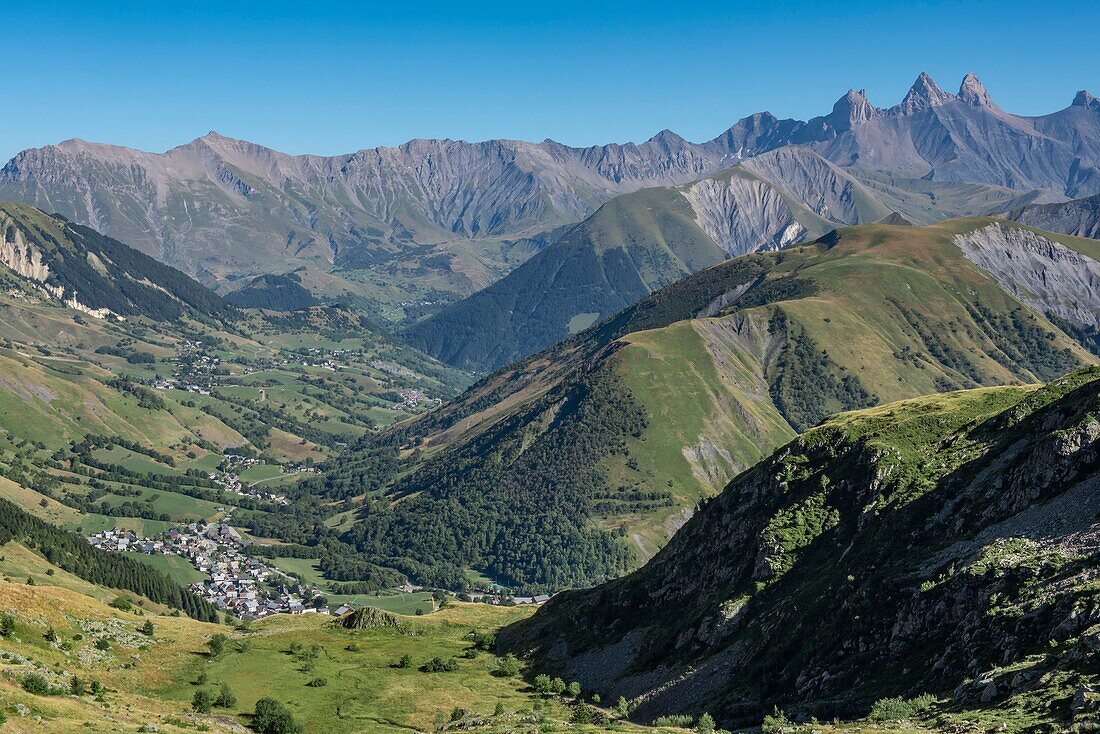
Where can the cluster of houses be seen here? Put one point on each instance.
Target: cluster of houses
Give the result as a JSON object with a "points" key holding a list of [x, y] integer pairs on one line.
{"points": [[238, 583], [195, 371], [228, 478], [411, 398]]}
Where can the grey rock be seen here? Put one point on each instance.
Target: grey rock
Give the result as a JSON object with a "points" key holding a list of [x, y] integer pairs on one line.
{"points": [[463, 214]]}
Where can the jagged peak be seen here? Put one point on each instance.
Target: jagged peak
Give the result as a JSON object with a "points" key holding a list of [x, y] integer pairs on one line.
{"points": [[666, 136], [973, 92], [1084, 99], [923, 94], [851, 109]]}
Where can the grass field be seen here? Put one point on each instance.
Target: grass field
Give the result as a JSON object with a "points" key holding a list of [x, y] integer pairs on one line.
{"points": [[261, 473], [175, 566], [93, 523], [179, 507], [151, 681], [398, 603]]}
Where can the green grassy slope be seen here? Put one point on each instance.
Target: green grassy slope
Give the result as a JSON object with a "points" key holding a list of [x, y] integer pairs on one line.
{"points": [[631, 246], [939, 545], [722, 367]]}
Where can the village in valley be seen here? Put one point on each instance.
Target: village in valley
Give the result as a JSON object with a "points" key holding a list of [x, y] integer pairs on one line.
{"points": [[238, 583], [244, 585]]}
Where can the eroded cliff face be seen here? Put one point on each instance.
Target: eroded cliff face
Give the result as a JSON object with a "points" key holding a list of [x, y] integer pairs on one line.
{"points": [[1080, 217], [17, 254], [25, 260], [743, 215], [1046, 275]]}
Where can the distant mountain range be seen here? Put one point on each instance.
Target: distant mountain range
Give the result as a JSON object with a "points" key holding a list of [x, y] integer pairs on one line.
{"points": [[435, 218], [1080, 217]]}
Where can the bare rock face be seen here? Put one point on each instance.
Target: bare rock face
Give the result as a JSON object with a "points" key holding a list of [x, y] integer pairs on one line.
{"points": [[742, 215], [1080, 217], [973, 92], [1046, 275], [923, 94], [19, 255]]}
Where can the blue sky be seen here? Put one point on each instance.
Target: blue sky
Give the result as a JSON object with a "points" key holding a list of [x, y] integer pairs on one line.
{"points": [[334, 77]]}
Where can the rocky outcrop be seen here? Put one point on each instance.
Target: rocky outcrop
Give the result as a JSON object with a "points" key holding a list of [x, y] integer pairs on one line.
{"points": [[744, 214], [1080, 217], [1046, 275], [368, 618], [18, 255]]}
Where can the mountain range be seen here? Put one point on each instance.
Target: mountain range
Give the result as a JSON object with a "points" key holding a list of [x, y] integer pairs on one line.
{"points": [[434, 219], [639, 242]]}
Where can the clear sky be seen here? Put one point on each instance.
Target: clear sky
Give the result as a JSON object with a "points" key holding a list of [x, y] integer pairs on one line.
{"points": [[328, 78]]}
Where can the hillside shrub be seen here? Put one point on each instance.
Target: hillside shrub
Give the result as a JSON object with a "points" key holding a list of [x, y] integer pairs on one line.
{"points": [[898, 709], [272, 717]]}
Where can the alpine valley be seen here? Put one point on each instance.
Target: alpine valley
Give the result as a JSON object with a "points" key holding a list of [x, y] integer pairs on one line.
{"points": [[793, 430]]}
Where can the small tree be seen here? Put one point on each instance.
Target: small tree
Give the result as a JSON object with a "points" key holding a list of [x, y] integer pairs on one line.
{"points": [[557, 686], [705, 724], [76, 686], [203, 701], [216, 644], [147, 628], [405, 661], [623, 707], [543, 684], [272, 717], [7, 625], [507, 667], [582, 714], [499, 710], [36, 684], [574, 690], [226, 699]]}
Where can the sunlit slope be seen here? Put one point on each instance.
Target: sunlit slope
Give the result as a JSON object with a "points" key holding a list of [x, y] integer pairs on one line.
{"points": [[719, 368]]}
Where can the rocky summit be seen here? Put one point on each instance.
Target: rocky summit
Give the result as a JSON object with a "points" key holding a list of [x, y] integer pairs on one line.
{"points": [[445, 216]]}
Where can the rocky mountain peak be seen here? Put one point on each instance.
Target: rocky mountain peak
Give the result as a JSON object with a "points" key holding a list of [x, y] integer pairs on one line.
{"points": [[667, 138], [851, 109], [923, 94], [1084, 99], [973, 92]]}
